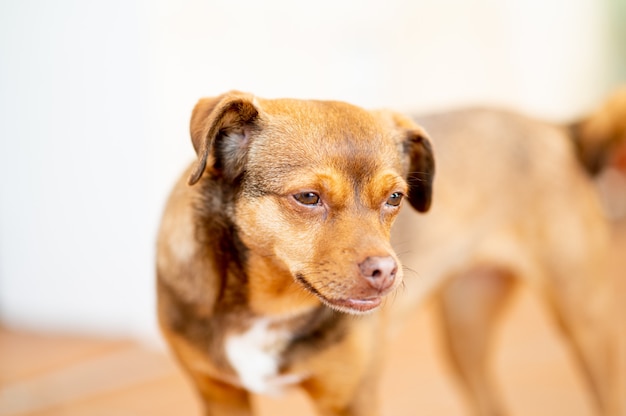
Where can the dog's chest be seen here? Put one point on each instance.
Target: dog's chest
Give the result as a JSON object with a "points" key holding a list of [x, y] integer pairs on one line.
{"points": [[255, 355]]}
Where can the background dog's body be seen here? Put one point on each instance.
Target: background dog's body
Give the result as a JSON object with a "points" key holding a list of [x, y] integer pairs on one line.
{"points": [[510, 192], [511, 201]]}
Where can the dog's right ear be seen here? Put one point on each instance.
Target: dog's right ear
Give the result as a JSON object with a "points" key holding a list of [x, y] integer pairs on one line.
{"points": [[220, 130]]}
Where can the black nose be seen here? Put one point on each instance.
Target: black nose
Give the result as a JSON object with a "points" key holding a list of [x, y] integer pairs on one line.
{"points": [[380, 272]]}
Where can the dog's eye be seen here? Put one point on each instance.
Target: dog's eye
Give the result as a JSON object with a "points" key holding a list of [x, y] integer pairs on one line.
{"points": [[395, 199], [307, 198]]}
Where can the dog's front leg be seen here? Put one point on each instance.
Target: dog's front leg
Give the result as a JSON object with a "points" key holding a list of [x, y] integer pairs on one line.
{"points": [[221, 399], [470, 305]]}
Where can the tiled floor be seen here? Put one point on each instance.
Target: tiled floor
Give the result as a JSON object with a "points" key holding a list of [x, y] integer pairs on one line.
{"points": [[52, 375]]}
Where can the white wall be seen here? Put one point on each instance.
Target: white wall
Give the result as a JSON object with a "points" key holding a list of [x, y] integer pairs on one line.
{"points": [[95, 99]]}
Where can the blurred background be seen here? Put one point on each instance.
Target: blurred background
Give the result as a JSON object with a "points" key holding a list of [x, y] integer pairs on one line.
{"points": [[95, 98]]}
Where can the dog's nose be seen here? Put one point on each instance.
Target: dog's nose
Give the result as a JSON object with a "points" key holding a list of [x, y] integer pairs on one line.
{"points": [[380, 272]]}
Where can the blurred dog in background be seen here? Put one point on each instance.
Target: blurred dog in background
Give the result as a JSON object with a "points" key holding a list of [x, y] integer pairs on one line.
{"points": [[515, 201]]}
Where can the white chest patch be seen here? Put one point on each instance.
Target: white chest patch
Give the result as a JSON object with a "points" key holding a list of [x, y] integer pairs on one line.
{"points": [[255, 353]]}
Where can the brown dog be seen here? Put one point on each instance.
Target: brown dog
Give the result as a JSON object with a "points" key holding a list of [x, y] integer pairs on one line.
{"points": [[273, 264], [270, 262]]}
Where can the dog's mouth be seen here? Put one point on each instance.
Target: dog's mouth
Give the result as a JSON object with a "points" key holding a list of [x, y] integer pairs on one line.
{"points": [[355, 305], [347, 305]]}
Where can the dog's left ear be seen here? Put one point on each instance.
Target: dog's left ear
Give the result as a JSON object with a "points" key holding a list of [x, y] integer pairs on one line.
{"points": [[421, 169], [416, 145]]}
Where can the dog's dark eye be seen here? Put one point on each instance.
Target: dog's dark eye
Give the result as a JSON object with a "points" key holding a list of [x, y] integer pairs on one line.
{"points": [[307, 198], [395, 199]]}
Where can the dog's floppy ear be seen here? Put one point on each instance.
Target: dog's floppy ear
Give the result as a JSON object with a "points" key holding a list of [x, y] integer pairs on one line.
{"points": [[220, 130], [417, 147], [421, 169]]}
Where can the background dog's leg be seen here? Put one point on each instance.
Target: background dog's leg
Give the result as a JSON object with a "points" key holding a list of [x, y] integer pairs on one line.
{"points": [[469, 305], [220, 399], [583, 312]]}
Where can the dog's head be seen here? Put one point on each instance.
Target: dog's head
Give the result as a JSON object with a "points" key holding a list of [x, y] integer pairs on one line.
{"points": [[319, 185]]}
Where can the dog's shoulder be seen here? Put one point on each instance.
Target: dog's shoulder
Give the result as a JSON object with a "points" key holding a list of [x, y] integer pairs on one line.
{"points": [[185, 265]]}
